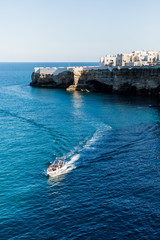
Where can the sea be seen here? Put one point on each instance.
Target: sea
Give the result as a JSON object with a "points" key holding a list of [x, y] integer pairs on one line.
{"points": [[111, 145]]}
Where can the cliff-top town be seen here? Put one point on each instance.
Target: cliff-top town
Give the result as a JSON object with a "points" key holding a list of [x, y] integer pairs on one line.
{"points": [[136, 58]]}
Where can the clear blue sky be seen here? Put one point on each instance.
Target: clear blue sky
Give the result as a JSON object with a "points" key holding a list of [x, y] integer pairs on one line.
{"points": [[76, 30]]}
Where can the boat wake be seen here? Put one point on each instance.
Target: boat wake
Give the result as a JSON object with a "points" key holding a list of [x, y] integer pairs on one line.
{"points": [[96, 136], [74, 155], [69, 166]]}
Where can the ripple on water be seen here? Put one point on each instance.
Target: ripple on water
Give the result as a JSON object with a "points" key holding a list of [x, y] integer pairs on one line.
{"points": [[111, 147]]}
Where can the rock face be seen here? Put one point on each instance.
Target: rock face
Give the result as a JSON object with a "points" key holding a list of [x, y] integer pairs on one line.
{"points": [[62, 80], [137, 80]]}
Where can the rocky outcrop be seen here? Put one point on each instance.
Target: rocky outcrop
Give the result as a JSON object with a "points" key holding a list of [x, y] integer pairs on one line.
{"points": [[62, 80], [137, 80], [123, 80]]}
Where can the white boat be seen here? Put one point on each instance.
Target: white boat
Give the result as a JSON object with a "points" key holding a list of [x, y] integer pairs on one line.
{"points": [[56, 168]]}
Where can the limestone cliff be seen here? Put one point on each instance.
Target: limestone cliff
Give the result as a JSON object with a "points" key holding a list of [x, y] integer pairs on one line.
{"points": [[137, 80], [62, 80]]}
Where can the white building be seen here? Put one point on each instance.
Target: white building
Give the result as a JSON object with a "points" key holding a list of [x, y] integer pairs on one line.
{"points": [[144, 57], [158, 56], [139, 56], [108, 60], [136, 58], [123, 58]]}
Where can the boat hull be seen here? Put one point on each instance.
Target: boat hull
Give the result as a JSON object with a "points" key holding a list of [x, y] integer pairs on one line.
{"points": [[56, 172]]}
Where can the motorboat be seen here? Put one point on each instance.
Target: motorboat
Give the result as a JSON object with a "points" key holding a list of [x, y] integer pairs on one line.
{"points": [[56, 168]]}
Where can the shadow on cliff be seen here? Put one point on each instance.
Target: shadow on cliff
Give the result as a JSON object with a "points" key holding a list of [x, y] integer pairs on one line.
{"points": [[96, 86]]}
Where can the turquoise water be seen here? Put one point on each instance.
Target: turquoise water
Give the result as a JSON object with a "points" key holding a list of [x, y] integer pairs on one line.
{"points": [[110, 142]]}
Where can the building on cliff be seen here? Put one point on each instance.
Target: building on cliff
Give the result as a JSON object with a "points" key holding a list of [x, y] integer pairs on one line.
{"points": [[122, 59], [136, 58], [143, 80], [108, 60]]}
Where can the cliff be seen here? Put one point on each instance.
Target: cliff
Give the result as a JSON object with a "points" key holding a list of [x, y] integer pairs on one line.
{"points": [[136, 80], [61, 80]]}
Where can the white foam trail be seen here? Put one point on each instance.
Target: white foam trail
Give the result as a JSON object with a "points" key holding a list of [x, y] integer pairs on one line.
{"points": [[74, 154], [96, 136], [70, 164], [73, 159]]}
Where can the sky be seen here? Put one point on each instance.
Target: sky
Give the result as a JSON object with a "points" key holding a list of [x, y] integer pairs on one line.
{"points": [[76, 30]]}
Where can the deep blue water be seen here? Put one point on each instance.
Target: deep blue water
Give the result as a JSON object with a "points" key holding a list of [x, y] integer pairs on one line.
{"points": [[112, 143]]}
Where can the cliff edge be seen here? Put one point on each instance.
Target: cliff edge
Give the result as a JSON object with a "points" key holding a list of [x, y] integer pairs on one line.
{"points": [[136, 80]]}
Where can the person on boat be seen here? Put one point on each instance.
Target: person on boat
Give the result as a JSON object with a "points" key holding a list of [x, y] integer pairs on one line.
{"points": [[49, 168]]}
